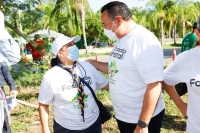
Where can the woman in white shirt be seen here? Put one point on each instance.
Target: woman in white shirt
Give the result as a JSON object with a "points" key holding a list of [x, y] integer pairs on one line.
{"points": [[74, 107]]}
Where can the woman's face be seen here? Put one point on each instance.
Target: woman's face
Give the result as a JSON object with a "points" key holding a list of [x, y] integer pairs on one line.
{"points": [[63, 52]]}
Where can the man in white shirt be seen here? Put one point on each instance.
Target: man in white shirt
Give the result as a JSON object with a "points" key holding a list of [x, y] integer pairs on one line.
{"points": [[135, 71], [188, 72]]}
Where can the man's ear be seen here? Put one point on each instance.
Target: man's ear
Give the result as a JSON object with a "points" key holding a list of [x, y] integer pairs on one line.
{"points": [[119, 20]]}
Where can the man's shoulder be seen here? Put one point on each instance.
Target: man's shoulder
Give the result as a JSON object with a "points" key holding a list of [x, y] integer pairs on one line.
{"points": [[142, 32]]}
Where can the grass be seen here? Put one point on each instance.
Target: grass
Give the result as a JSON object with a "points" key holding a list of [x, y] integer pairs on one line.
{"points": [[94, 54], [26, 119], [166, 46]]}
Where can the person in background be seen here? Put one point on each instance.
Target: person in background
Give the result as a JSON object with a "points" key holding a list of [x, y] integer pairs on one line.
{"points": [[135, 71], [74, 107], [190, 40], [6, 76], [185, 68], [37, 48]]}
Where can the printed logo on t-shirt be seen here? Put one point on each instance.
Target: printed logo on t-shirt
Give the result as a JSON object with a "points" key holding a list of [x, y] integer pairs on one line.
{"points": [[88, 80], [76, 104], [118, 53], [112, 71], [75, 99], [194, 82]]}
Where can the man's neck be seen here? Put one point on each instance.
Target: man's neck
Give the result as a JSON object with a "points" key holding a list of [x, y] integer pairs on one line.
{"points": [[126, 28]]}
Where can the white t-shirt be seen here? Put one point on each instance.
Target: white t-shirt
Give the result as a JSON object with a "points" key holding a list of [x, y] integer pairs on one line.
{"points": [[56, 88], [135, 61], [186, 68]]}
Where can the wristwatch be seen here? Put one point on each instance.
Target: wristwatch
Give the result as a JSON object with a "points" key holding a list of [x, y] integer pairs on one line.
{"points": [[142, 124]]}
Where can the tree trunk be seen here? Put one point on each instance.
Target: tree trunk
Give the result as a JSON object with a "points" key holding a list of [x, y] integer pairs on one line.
{"points": [[183, 31], [175, 22], [0, 4], [169, 33], [83, 25], [16, 30], [161, 30]]}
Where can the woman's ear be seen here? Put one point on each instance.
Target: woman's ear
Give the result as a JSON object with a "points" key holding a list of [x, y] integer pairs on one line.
{"points": [[60, 54]]}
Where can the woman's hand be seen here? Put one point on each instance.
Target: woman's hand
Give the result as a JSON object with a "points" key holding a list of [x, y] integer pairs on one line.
{"points": [[183, 108], [13, 93]]}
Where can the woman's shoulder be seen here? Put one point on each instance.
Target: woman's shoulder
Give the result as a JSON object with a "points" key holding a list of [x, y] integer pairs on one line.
{"points": [[53, 71]]}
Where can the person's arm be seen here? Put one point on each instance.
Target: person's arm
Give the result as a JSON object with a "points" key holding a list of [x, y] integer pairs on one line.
{"points": [[44, 113], [176, 98], [101, 66], [149, 104], [9, 80], [106, 87]]}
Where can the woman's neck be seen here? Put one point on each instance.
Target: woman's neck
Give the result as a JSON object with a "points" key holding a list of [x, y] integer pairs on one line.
{"points": [[68, 63]]}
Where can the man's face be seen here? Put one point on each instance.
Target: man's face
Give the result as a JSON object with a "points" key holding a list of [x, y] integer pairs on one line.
{"points": [[107, 22]]}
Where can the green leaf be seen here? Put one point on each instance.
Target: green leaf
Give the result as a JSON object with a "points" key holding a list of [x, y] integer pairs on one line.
{"points": [[86, 96], [111, 64], [74, 100], [114, 64], [116, 71]]}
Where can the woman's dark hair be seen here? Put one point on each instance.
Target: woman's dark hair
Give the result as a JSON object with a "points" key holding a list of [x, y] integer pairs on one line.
{"points": [[116, 8], [54, 62]]}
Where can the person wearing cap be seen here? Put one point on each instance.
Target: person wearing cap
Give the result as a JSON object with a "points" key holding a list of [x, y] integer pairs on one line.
{"points": [[190, 40], [74, 108], [185, 68]]}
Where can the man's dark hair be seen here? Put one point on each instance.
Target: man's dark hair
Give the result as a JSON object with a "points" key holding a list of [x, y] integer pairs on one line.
{"points": [[117, 8], [194, 26]]}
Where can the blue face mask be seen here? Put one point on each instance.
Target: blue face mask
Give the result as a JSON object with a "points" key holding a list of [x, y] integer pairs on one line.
{"points": [[73, 53]]}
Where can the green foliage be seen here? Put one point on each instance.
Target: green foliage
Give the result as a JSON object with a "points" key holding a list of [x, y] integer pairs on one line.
{"points": [[94, 28], [103, 95], [30, 15], [29, 75]]}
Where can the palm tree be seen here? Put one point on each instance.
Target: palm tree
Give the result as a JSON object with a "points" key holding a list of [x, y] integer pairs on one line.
{"points": [[157, 13], [78, 6], [47, 9], [66, 15]]}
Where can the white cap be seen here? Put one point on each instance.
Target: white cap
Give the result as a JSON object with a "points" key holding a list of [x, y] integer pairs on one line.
{"points": [[59, 42]]}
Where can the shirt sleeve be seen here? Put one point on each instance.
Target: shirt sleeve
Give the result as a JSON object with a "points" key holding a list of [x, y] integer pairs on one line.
{"points": [[149, 60], [7, 76], [172, 73], [101, 80], [46, 92]]}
